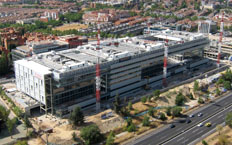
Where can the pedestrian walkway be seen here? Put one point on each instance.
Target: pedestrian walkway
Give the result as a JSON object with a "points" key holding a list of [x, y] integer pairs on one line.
{"points": [[19, 132]]}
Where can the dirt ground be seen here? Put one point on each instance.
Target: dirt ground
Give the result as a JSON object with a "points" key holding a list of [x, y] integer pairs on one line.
{"points": [[76, 26], [9, 85], [106, 125], [62, 131], [213, 138]]}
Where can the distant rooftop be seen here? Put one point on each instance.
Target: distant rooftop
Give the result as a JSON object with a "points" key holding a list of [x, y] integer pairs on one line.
{"points": [[40, 45]]}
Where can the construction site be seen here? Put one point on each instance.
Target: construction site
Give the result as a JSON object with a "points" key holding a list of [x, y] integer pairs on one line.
{"points": [[59, 81]]}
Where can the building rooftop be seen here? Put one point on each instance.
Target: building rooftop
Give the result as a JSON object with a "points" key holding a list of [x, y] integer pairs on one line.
{"points": [[86, 55], [40, 45]]}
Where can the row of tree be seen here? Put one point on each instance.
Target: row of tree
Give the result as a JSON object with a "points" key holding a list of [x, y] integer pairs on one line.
{"points": [[5, 63], [10, 124]]}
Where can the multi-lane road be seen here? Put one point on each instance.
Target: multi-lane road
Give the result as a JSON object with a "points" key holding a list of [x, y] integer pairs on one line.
{"points": [[184, 133]]}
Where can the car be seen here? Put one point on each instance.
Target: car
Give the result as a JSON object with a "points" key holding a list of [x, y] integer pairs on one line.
{"points": [[200, 125], [188, 121], [208, 124], [172, 126], [191, 116], [200, 114]]}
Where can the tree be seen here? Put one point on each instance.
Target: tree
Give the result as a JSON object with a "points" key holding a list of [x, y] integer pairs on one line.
{"points": [[130, 105], [110, 139], [91, 134], [169, 111], [156, 93], [146, 121], [76, 117], [3, 116], [228, 75], [144, 99], [218, 92], [74, 136], [179, 99], [191, 96], [10, 125], [117, 103], [176, 111], [223, 140], [220, 81], [27, 122], [229, 119], [150, 97], [162, 116], [204, 142], [131, 128], [196, 86], [3, 64], [151, 111], [227, 85], [219, 129], [129, 121], [124, 111], [200, 100]]}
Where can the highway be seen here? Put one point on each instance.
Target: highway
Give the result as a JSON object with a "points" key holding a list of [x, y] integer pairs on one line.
{"points": [[184, 133], [196, 132]]}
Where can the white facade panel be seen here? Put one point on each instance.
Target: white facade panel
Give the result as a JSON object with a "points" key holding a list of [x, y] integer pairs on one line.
{"points": [[30, 79]]}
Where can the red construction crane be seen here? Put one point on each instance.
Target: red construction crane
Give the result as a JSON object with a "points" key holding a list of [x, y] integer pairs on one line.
{"points": [[98, 78], [165, 63], [220, 40]]}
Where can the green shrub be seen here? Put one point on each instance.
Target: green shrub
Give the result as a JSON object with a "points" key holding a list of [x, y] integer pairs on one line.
{"points": [[176, 111], [180, 99], [144, 99], [146, 121], [200, 100], [162, 116], [131, 128], [169, 111]]}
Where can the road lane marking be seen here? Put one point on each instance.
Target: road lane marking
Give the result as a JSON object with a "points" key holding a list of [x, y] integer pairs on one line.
{"points": [[195, 130], [200, 132], [179, 129], [184, 142], [163, 137], [220, 116], [180, 139]]}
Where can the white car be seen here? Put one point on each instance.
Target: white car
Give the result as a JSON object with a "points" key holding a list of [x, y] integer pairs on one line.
{"points": [[200, 114], [191, 116], [200, 125]]}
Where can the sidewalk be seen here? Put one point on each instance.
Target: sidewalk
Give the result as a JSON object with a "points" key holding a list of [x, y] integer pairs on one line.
{"points": [[19, 132]]}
